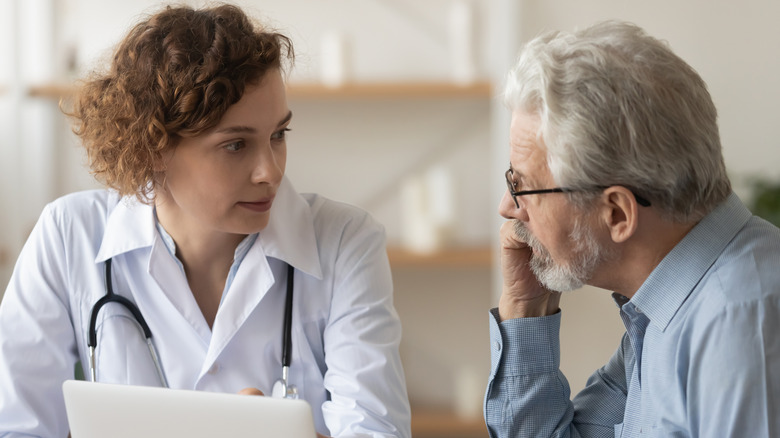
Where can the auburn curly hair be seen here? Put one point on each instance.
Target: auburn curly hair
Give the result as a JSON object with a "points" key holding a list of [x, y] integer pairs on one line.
{"points": [[174, 75]]}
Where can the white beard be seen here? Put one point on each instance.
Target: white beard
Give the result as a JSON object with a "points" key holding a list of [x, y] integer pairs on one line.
{"points": [[586, 256]]}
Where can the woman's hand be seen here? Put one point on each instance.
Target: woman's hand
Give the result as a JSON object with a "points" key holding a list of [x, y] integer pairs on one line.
{"points": [[522, 295], [250, 391]]}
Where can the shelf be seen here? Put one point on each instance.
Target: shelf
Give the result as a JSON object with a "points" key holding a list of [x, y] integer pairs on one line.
{"points": [[52, 91], [401, 90], [446, 257], [446, 425]]}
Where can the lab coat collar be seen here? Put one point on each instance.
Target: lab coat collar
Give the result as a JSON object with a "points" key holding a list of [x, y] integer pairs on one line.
{"points": [[289, 235], [130, 226]]}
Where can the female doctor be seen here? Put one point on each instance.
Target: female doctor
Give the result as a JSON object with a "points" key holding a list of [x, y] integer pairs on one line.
{"points": [[197, 229]]}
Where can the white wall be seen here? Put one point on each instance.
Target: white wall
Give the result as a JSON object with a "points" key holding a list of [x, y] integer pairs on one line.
{"points": [[352, 151], [733, 45]]}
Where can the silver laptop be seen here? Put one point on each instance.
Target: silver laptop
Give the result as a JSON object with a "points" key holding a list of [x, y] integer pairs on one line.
{"points": [[100, 410]]}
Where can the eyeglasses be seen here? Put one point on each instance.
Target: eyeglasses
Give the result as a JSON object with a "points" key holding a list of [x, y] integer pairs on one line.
{"points": [[510, 184]]}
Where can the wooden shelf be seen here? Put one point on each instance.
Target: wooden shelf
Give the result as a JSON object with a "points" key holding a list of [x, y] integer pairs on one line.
{"points": [[402, 90], [51, 91], [443, 258], [446, 425]]}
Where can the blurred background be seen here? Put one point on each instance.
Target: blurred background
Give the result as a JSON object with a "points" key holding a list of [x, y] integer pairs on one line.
{"points": [[396, 111]]}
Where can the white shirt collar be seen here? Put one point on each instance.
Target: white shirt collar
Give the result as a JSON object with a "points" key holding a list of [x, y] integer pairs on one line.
{"points": [[289, 235], [130, 226]]}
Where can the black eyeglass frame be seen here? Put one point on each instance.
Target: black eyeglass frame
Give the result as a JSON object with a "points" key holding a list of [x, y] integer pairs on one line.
{"points": [[511, 187]]}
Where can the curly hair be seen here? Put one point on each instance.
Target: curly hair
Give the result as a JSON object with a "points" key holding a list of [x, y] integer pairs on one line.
{"points": [[173, 76]]}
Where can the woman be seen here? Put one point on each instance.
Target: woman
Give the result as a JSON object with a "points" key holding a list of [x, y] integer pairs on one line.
{"points": [[197, 228]]}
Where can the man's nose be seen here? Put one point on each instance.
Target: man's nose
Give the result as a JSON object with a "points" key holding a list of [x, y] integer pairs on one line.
{"points": [[509, 210]]}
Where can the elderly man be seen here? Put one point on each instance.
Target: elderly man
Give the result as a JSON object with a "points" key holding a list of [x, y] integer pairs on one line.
{"points": [[616, 179]]}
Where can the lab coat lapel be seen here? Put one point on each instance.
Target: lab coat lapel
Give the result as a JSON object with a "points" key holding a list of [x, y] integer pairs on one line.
{"points": [[131, 226], [289, 236], [173, 285], [252, 282]]}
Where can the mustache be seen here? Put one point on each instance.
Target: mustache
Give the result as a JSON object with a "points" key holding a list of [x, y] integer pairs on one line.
{"points": [[522, 233], [539, 255]]}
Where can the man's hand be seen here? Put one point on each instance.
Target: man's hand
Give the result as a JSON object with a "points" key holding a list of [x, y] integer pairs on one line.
{"points": [[522, 295]]}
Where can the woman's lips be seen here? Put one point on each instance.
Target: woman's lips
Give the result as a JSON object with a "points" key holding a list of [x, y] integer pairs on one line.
{"points": [[260, 206]]}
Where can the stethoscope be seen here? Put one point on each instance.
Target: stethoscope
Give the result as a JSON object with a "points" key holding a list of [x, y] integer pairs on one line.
{"points": [[281, 388]]}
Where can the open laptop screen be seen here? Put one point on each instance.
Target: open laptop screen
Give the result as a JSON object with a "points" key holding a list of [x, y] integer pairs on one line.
{"points": [[99, 410]]}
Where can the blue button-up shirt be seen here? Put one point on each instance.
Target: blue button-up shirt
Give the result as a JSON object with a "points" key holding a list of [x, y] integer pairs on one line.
{"points": [[700, 356]]}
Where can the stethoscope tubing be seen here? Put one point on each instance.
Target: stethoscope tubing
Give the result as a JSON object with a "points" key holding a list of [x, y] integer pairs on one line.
{"points": [[111, 297], [287, 332]]}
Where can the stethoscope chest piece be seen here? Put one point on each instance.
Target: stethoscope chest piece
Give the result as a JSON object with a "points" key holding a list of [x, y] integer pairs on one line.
{"points": [[282, 389]]}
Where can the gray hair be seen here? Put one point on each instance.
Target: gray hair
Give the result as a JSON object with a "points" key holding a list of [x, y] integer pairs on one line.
{"points": [[618, 107]]}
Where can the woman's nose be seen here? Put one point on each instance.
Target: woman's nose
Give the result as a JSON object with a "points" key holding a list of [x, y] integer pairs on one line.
{"points": [[269, 166]]}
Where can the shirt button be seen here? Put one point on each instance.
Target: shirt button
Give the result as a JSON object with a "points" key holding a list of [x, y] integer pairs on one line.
{"points": [[214, 369], [497, 346]]}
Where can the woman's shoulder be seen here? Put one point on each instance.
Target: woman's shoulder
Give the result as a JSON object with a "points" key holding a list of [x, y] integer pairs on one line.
{"points": [[86, 200], [83, 206]]}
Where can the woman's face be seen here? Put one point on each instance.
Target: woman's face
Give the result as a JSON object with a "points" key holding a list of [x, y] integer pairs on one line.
{"points": [[225, 180]]}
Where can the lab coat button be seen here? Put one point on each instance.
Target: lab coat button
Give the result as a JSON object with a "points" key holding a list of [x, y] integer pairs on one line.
{"points": [[214, 369], [497, 346]]}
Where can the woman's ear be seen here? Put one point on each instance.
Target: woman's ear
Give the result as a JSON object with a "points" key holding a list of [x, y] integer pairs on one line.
{"points": [[159, 172], [620, 213], [160, 162]]}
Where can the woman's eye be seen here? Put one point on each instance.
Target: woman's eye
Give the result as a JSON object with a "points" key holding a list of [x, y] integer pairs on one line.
{"points": [[280, 135], [234, 146]]}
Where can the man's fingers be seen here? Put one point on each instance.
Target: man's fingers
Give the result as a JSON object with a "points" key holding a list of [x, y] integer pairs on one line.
{"points": [[509, 238]]}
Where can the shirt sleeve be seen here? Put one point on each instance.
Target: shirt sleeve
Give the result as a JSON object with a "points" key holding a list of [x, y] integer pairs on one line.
{"points": [[364, 374], [528, 396], [37, 344]]}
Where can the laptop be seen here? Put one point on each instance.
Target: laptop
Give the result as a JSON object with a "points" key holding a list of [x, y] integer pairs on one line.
{"points": [[100, 410]]}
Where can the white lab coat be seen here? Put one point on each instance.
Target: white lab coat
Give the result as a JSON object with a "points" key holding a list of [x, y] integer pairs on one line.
{"points": [[345, 331]]}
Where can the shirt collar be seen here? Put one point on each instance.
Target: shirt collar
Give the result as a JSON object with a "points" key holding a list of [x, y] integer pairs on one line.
{"points": [[670, 283], [289, 235], [130, 226]]}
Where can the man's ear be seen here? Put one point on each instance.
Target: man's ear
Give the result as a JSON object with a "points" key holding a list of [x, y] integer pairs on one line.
{"points": [[620, 213]]}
